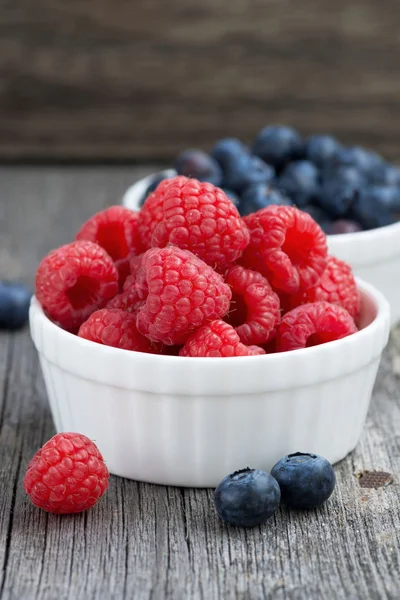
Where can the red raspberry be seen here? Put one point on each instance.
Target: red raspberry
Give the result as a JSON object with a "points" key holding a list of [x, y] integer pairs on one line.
{"points": [[337, 286], [217, 338], [255, 350], [75, 280], [152, 210], [67, 475], [313, 324], [116, 230], [198, 217], [181, 293], [128, 299], [286, 246], [255, 309], [116, 328]]}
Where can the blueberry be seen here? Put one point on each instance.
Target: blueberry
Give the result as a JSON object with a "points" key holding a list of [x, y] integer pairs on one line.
{"points": [[370, 208], [278, 145], [320, 149], [157, 178], [240, 168], [247, 498], [385, 174], [319, 215], [337, 198], [232, 196], [355, 156], [260, 195], [14, 305], [299, 181], [199, 165], [346, 175], [306, 480], [343, 226]]}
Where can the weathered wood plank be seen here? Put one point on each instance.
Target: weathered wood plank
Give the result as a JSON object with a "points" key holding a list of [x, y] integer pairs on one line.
{"points": [[152, 542], [147, 79]]}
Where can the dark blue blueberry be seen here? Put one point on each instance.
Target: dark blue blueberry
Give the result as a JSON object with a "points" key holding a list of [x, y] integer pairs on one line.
{"points": [[370, 209], [199, 165], [337, 198], [247, 498], [157, 178], [355, 156], [260, 195], [320, 149], [319, 215], [14, 305], [347, 175], [385, 174], [343, 226], [306, 480], [240, 168], [232, 196], [299, 181], [278, 145]]}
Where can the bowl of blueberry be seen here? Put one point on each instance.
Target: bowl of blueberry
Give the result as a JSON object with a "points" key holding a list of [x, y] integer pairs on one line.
{"points": [[189, 341], [352, 192]]}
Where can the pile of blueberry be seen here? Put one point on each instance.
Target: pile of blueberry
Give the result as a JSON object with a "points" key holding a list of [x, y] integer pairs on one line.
{"points": [[250, 497], [345, 189]]}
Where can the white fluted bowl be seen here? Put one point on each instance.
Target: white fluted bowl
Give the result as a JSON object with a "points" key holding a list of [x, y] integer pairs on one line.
{"points": [[190, 421], [374, 255]]}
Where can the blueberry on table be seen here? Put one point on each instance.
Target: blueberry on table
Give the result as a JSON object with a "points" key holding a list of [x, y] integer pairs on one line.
{"points": [[278, 145], [299, 181], [320, 149], [240, 168], [305, 480], [14, 305], [259, 195], [199, 165], [371, 209], [247, 498], [343, 226]]}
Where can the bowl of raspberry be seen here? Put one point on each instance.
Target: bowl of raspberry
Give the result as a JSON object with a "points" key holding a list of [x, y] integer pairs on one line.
{"points": [[352, 192], [186, 339]]}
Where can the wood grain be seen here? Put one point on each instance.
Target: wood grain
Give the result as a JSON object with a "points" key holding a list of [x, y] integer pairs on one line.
{"points": [[134, 80], [150, 542]]}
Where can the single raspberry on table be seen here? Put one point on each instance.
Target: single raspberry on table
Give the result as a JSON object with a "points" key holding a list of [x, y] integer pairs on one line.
{"points": [[116, 230], [199, 217], [218, 339], [313, 324], [67, 475], [286, 246], [75, 280], [255, 308], [337, 286], [180, 292], [117, 328]]}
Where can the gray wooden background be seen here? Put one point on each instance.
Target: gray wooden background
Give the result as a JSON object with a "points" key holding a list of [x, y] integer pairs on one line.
{"points": [[138, 80]]}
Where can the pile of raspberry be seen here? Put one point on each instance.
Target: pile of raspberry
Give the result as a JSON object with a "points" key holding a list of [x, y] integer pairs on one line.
{"points": [[188, 276]]}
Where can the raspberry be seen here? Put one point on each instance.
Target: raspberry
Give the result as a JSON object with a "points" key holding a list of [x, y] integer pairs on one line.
{"points": [[255, 309], [67, 475], [313, 324], [152, 211], [116, 328], [75, 280], [128, 299], [337, 286], [198, 217], [217, 339], [255, 350], [116, 230], [181, 293], [286, 246]]}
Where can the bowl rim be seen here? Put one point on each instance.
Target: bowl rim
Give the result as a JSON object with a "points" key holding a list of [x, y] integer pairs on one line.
{"points": [[362, 237]]}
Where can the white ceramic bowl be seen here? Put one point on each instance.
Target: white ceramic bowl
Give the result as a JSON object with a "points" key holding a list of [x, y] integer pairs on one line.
{"points": [[191, 421], [374, 255]]}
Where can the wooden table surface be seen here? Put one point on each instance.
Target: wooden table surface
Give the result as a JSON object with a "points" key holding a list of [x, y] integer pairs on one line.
{"points": [[150, 542]]}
